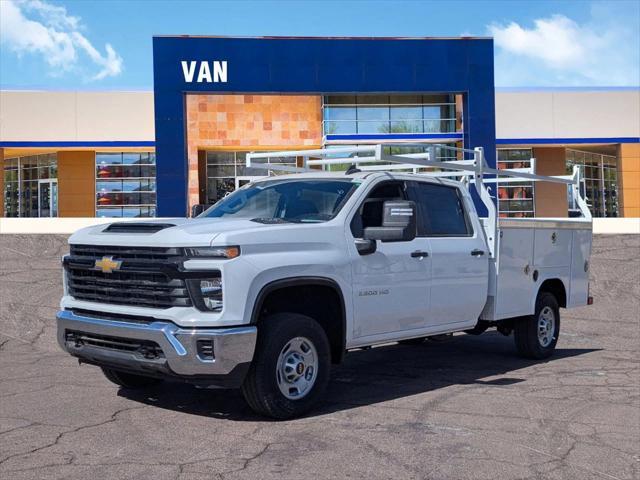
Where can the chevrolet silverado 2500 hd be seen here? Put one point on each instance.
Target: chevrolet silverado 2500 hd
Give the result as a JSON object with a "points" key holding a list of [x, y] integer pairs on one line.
{"points": [[279, 279]]}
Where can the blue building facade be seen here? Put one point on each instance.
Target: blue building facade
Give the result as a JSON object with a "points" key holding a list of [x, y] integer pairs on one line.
{"points": [[331, 69]]}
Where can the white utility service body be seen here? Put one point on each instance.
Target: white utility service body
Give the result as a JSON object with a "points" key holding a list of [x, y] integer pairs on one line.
{"points": [[352, 274]]}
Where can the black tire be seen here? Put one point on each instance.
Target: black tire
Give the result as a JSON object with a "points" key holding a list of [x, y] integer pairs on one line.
{"points": [[261, 389], [129, 380], [528, 341], [413, 341]]}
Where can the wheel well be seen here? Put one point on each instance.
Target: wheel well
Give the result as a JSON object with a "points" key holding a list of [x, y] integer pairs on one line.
{"points": [[555, 287], [320, 300]]}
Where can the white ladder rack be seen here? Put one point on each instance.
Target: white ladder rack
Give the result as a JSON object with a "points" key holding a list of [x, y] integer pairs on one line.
{"points": [[470, 171]]}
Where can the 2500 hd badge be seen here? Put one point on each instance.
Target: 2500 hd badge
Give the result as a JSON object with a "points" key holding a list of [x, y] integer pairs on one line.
{"points": [[370, 293]]}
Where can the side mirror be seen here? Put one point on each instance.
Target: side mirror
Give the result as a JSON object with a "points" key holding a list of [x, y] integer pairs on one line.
{"points": [[398, 223], [197, 210]]}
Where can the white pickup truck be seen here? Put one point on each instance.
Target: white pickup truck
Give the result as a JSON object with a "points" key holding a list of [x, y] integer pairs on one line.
{"points": [[276, 281]]}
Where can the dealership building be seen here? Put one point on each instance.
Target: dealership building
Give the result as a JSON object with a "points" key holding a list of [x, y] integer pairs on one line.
{"points": [[157, 153]]}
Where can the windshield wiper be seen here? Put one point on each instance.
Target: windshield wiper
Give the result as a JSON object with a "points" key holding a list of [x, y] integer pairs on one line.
{"points": [[270, 220]]}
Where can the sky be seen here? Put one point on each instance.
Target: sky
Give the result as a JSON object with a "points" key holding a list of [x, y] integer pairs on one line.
{"points": [[107, 44]]}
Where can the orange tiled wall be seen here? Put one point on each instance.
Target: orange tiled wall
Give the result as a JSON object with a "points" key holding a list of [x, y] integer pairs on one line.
{"points": [[249, 122], [629, 179]]}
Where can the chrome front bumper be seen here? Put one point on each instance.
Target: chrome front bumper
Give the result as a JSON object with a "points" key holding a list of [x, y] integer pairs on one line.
{"points": [[232, 347]]}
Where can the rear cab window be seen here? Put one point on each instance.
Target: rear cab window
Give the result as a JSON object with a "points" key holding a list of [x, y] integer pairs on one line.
{"points": [[441, 210]]}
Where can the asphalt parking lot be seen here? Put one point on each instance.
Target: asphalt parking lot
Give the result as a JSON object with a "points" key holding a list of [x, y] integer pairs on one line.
{"points": [[463, 409]]}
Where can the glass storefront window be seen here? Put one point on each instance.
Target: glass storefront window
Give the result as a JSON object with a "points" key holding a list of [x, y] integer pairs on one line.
{"points": [[226, 171], [125, 184], [598, 181], [442, 154], [515, 199], [30, 186], [383, 114]]}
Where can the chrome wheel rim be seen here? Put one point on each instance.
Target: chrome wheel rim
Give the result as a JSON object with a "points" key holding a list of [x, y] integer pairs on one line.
{"points": [[546, 326], [297, 368]]}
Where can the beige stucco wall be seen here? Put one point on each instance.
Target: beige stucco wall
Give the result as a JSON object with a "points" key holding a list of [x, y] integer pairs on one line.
{"points": [[76, 116], [113, 116], [568, 114]]}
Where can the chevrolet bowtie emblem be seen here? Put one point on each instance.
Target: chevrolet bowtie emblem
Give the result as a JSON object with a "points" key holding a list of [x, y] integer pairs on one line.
{"points": [[107, 264]]}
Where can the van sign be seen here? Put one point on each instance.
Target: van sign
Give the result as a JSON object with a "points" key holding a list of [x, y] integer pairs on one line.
{"points": [[207, 72]]}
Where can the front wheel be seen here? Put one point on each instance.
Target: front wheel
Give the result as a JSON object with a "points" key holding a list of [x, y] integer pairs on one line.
{"points": [[536, 335], [290, 369]]}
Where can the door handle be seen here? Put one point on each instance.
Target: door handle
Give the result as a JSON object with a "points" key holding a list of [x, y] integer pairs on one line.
{"points": [[419, 254], [477, 253]]}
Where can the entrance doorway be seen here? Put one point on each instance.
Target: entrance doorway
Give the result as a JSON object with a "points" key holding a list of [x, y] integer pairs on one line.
{"points": [[48, 198], [599, 181]]}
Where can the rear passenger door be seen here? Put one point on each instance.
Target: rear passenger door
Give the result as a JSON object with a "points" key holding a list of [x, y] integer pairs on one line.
{"points": [[459, 260]]}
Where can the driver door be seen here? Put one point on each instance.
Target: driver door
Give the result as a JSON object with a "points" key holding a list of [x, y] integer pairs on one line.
{"points": [[391, 286]]}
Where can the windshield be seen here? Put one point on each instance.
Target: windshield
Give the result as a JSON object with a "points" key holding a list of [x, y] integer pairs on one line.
{"points": [[284, 201]]}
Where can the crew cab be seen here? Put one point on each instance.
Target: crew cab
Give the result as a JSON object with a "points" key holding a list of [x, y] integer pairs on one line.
{"points": [[281, 278]]}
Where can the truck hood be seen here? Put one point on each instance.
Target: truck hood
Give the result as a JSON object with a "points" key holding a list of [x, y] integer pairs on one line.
{"points": [[174, 232]]}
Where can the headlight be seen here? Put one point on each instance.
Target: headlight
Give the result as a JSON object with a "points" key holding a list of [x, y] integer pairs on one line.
{"points": [[213, 252]]}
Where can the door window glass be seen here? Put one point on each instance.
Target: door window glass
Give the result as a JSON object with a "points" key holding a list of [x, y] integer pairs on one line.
{"points": [[441, 212]]}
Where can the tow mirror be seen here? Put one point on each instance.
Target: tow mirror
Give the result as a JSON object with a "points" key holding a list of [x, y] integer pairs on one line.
{"points": [[398, 223], [197, 210]]}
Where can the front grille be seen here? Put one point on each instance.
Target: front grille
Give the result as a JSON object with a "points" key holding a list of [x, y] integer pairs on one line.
{"points": [[138, 255], [141, 279], [146, 348]]}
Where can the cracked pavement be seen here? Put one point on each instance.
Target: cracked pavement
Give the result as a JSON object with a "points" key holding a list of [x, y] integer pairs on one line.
{"points": [[468, 408]]}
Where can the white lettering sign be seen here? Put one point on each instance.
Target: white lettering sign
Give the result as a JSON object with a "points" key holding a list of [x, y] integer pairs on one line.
{"points": [[208, 72]]}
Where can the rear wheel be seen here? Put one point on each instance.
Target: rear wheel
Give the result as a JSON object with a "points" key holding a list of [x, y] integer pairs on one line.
{"points": [[129, 380], [290, 369], [536, 335]]}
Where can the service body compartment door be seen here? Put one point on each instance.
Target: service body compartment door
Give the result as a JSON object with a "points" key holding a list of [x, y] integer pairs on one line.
{"points": [[580, 254], [552, 247], [514, 284]]}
